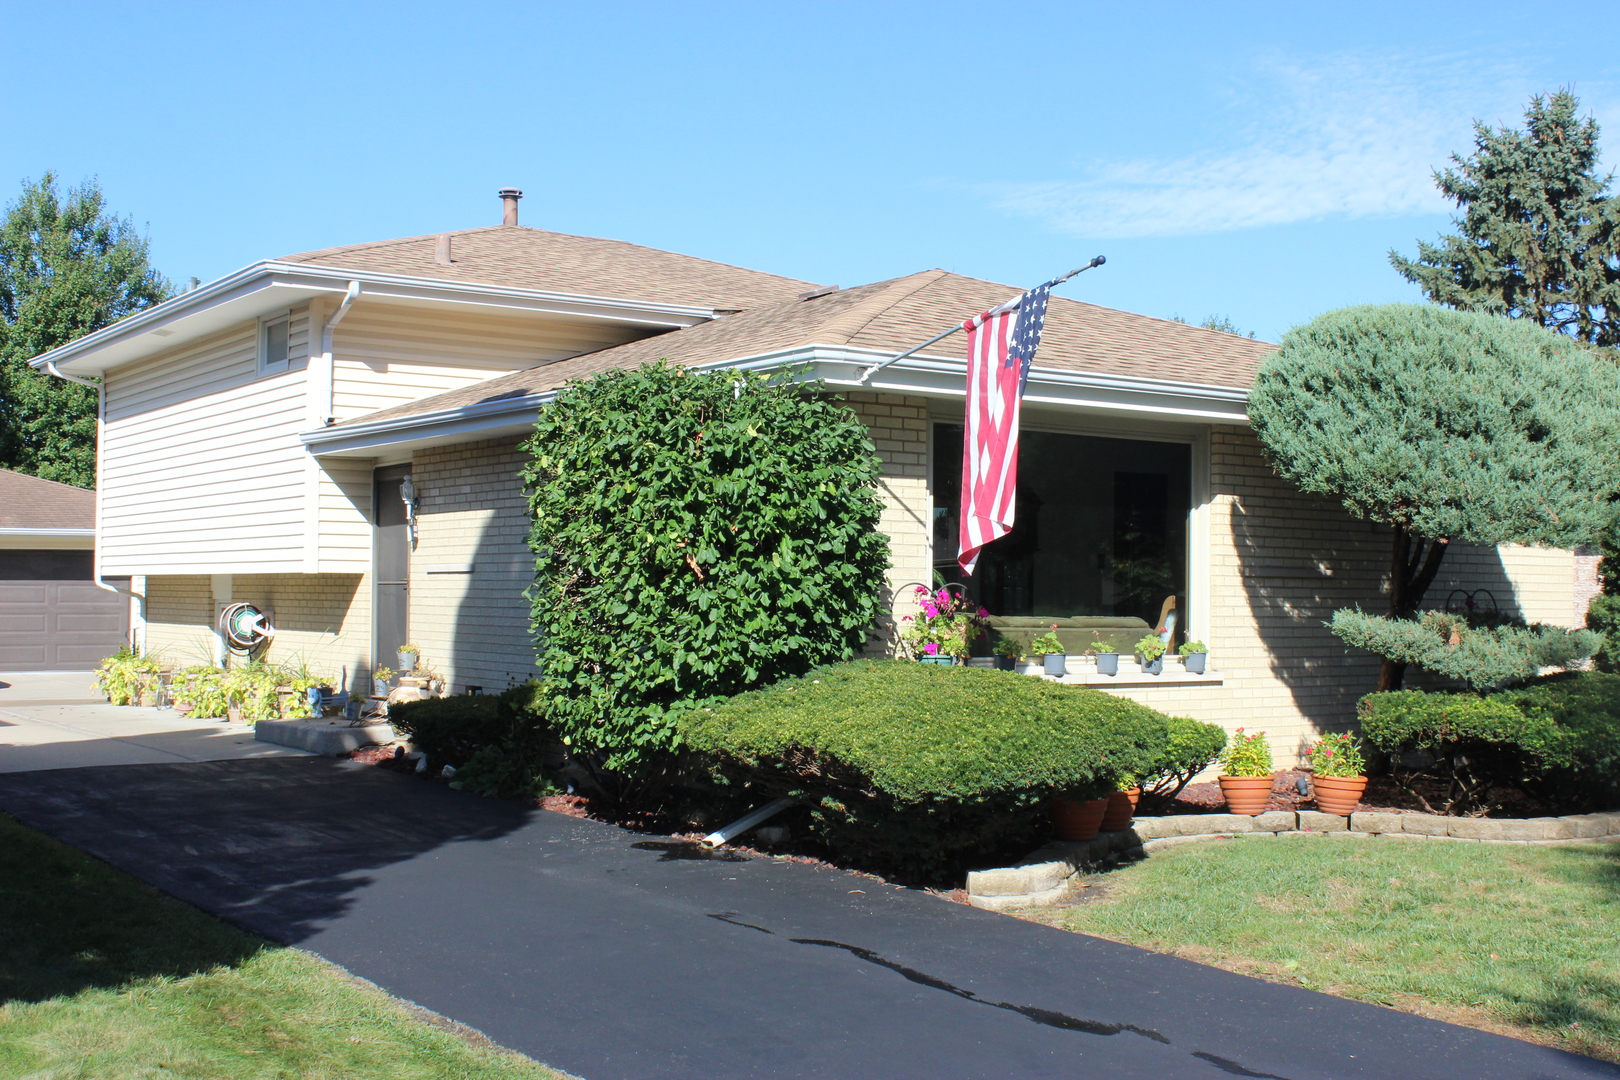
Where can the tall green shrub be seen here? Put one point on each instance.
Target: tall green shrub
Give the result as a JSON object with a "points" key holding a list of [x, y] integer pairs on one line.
{"points": [[1446, 426], [697, 534]]}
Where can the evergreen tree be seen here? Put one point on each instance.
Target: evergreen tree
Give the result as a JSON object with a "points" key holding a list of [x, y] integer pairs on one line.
{"points": [[1539, 231], [67, 268], [1446, 426]]}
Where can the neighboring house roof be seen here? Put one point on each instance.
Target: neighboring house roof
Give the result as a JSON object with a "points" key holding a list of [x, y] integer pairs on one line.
{"points": [[514, 256], [27, 502], [891, 316]]}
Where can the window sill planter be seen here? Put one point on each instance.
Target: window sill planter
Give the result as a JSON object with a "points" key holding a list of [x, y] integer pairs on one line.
{"points": [[1151, 667], [1195, 662], [1108, 663], [1057, 664], [1078, 820], [1338, 794], [1246, 794], [941, 661], [1006, 663]]}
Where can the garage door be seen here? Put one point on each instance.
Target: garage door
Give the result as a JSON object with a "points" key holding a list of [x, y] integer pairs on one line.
{"points": [[52, 616]]}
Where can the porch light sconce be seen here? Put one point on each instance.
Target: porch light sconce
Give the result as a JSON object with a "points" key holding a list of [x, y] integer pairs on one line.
{"points": [[407, 494]]}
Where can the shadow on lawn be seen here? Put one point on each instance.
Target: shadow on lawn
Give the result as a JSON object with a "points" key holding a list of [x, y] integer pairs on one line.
{"points": [[278, 846]]}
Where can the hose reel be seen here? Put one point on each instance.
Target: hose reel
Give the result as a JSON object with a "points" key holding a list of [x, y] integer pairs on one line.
{"points": [[244, 627]]}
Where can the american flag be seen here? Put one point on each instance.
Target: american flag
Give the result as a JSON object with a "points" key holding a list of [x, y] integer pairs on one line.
{"points": [[1001, 344]]}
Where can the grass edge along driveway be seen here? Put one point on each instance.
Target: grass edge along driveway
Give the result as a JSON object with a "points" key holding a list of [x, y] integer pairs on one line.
{"points": [[1516, 940], [103, 976]]}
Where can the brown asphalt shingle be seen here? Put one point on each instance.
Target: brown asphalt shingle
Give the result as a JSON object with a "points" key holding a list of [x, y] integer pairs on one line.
{"points": [[524, 258], [27, 502], [891, 316]]}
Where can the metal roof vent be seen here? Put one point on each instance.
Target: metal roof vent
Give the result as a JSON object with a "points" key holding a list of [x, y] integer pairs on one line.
{"points": [[509, 201]]}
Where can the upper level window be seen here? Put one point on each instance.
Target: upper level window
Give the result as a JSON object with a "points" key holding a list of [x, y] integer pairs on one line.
{"points": [[273, 344]]}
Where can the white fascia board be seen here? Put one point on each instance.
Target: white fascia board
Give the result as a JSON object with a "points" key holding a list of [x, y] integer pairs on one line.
{"points": [[268, 286], [839, 367]]}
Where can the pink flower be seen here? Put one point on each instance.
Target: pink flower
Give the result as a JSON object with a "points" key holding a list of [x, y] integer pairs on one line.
{"points": [[931, 611], [930, 648], [984, 613]]}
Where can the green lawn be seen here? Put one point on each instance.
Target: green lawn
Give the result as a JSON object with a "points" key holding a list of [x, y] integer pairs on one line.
{"points": [[1524, 941], [102, 976]]}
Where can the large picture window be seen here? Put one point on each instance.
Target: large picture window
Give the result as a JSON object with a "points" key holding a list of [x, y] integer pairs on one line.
{"points": [[1099, 544]]}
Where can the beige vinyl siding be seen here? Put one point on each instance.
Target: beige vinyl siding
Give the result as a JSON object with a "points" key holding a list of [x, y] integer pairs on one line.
{"points": [[386, 355], [202, 470], [345, 515]]}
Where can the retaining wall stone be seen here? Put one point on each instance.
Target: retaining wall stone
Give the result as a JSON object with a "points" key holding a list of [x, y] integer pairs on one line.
{"points": [[1319, 822]]}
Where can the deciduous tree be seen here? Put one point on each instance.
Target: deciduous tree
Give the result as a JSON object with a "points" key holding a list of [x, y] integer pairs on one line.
{"points": [[67, 268]]}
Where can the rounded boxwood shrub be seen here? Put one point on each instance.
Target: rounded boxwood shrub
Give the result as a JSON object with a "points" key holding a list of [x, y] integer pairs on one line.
{"points": [[697, 534], [917, 769], [453, 730]]}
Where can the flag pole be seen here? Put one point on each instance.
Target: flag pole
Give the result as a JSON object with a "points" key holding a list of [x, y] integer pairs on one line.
{"points": [[875, 368]]}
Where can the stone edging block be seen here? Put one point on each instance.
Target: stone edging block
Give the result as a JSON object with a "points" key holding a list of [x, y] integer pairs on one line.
{"points": [[1045, 874], [322, 736]]}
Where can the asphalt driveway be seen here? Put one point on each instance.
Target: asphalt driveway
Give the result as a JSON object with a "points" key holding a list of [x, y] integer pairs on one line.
{"points": [[612, 955]]}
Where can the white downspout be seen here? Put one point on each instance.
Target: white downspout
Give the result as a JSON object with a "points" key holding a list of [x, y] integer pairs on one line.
{"points": [[325, 373], [101, 425]]}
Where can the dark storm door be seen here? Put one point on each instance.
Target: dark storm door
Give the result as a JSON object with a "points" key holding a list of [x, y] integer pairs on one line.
{"points": [[390, 564]]}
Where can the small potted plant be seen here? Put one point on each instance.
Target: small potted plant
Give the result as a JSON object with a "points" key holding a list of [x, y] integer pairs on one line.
{"points": [[1008, 650], [351, 711], [1107, 656], [944, 629], [408, 655], [379, 680], [1050, 649], [1338, 773], [1246, 773], [1121, 805], [1195, 656], [1150, 654]]}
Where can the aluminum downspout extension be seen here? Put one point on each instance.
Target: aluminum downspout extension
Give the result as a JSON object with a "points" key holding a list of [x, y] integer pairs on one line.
{"points": [[101, 423], [327, 374]]}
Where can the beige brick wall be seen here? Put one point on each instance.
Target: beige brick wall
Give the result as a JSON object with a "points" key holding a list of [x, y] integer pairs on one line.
{"points": [[322, 620], [473, 628], [899, 427], [179, 614]]}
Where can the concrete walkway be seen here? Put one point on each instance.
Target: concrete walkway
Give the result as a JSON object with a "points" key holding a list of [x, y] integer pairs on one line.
{"points": [[614, 955], [54, 720]]}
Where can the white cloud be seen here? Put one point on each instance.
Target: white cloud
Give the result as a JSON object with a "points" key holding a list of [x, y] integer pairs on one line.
{"points": [[1346, 138]]}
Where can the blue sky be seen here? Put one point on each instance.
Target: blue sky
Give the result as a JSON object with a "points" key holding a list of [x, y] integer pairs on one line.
{"points": [[1251, 160]]}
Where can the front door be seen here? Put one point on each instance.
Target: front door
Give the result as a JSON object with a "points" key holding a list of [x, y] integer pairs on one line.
{"points": [[390, 564]]}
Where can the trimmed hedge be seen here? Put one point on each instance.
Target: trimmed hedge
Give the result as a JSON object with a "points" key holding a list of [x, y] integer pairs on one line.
{"points": [[508, 734], [1193, 747], [1556, 740], [915, 768]]}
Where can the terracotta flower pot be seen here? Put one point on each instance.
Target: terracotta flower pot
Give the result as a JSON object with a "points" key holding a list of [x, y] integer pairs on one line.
{"points": [[1338, 794], [1078, 820], [1121, 809], [1246, 794]]}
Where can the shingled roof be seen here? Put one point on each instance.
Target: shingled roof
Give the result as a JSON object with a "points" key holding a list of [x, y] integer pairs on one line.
{"points": [[894, 315], [518, 257], [27, 502]]}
